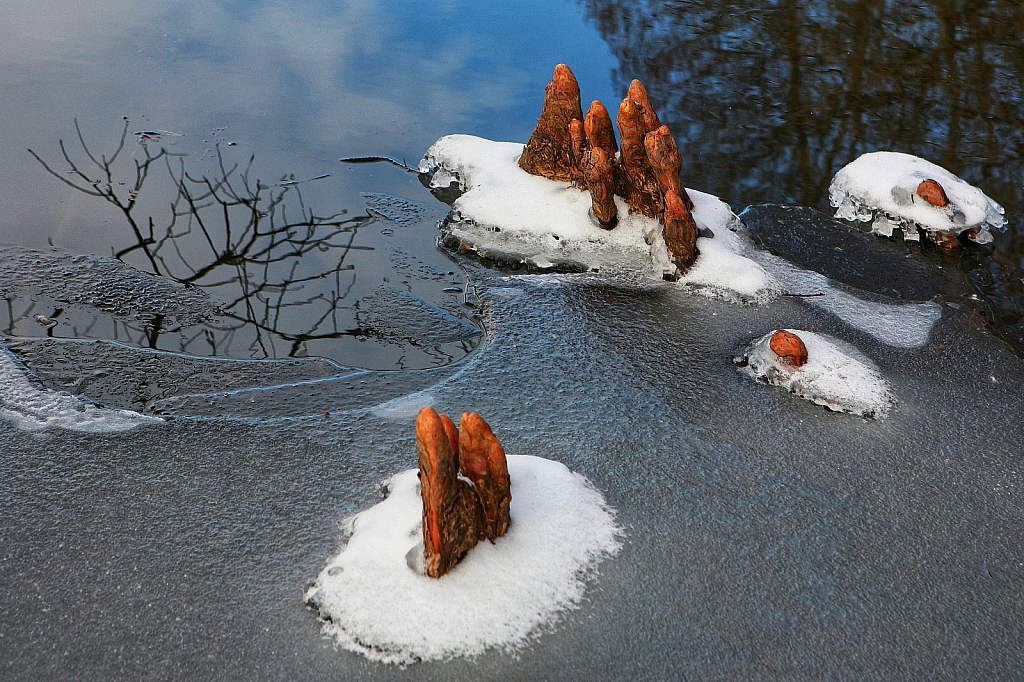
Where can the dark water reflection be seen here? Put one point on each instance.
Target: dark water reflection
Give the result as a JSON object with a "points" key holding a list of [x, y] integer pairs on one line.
{"points": [[769, 100]]}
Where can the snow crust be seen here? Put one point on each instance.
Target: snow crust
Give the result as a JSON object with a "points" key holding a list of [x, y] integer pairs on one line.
{"points": [[881, 187], [507, 214], [32, 407], [374, 604], [835, 375]]}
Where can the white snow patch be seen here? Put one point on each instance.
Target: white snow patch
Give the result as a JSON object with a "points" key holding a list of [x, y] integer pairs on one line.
{"points": [[881, 187], [722, 271], [901, 325], [507, 214], [32, 407], [499, 595], [835, 375]]}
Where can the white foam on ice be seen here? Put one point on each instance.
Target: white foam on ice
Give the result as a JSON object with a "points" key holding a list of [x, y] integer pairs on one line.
{"points": [[32, 407], [882, 187], [498, 596], [901, 325], [835, 375], [506, 213]]}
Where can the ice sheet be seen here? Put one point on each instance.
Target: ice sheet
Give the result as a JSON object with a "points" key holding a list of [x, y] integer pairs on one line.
{"points": [[499, 595], [33, 407], [509, 215], [882, 187], [835, 374]]}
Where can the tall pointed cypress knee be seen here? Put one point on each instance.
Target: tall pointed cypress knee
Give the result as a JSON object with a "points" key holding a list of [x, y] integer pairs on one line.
{"points": [[637, 183], [549, 152]]}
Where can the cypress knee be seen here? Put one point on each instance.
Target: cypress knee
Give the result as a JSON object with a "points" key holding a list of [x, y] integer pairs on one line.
{"points": [[680, 232], [452, 519], [599, 129], [637, 182], [482, 460], [638, 93], [549, 152], [599, 173], [667, 162]]}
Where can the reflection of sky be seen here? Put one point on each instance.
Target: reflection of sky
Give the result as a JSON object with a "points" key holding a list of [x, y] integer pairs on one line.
{"points": [[299, 84]]}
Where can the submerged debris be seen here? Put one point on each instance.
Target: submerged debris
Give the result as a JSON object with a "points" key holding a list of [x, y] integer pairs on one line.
{"points": [[643, 169], [458, 513], [900, 191]]}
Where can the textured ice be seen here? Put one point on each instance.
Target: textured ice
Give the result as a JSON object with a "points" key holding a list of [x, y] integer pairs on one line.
{"points": [[396, 316], [33, 407], [835, 375], [132, 378], [512, 217], [498, 596], [881, 187], [105, 284]]}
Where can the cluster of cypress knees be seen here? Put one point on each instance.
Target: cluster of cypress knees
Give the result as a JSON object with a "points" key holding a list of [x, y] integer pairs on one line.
{"points": [[464, 484], [464, 481], [571, 147]]}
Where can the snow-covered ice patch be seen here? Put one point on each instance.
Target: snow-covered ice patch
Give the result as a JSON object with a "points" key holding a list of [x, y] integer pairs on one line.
{"points": [[374, 604], [835, 374], [881, 187], [507, 215], [901, 325], [33, 407], [722, 270]]}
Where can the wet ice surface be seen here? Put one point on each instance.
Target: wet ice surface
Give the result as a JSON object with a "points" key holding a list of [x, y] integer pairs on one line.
{"points": [[104, 285], [881, 187], [496, 597], [759, 530]]}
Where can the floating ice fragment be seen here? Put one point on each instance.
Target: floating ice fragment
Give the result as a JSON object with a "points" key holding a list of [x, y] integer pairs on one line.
{"points": [[510, 216], [834, 374], [374, 604], [899, 190]]}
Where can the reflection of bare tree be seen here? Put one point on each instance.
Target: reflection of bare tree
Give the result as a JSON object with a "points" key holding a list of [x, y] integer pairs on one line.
{"points": [[769, 99], [278, 269]]}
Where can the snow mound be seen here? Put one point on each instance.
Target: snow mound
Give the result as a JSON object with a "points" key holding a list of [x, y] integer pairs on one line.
{"points": [[33, 407], [374, 604], [835, 374], [507, 215], [881, 187]]}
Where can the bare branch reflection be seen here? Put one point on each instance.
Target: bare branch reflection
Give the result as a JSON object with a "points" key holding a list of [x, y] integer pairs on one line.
{"points": [[279, 270]]}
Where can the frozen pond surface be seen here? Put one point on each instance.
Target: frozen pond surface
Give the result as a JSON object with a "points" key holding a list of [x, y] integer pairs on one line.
{"points": [[750, 516], [764, 537]]}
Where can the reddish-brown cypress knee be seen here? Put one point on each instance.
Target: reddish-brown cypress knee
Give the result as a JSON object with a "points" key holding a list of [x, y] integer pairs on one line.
{"points": [[452, 518], [482, 460], [549, 152], [637, 182]]}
